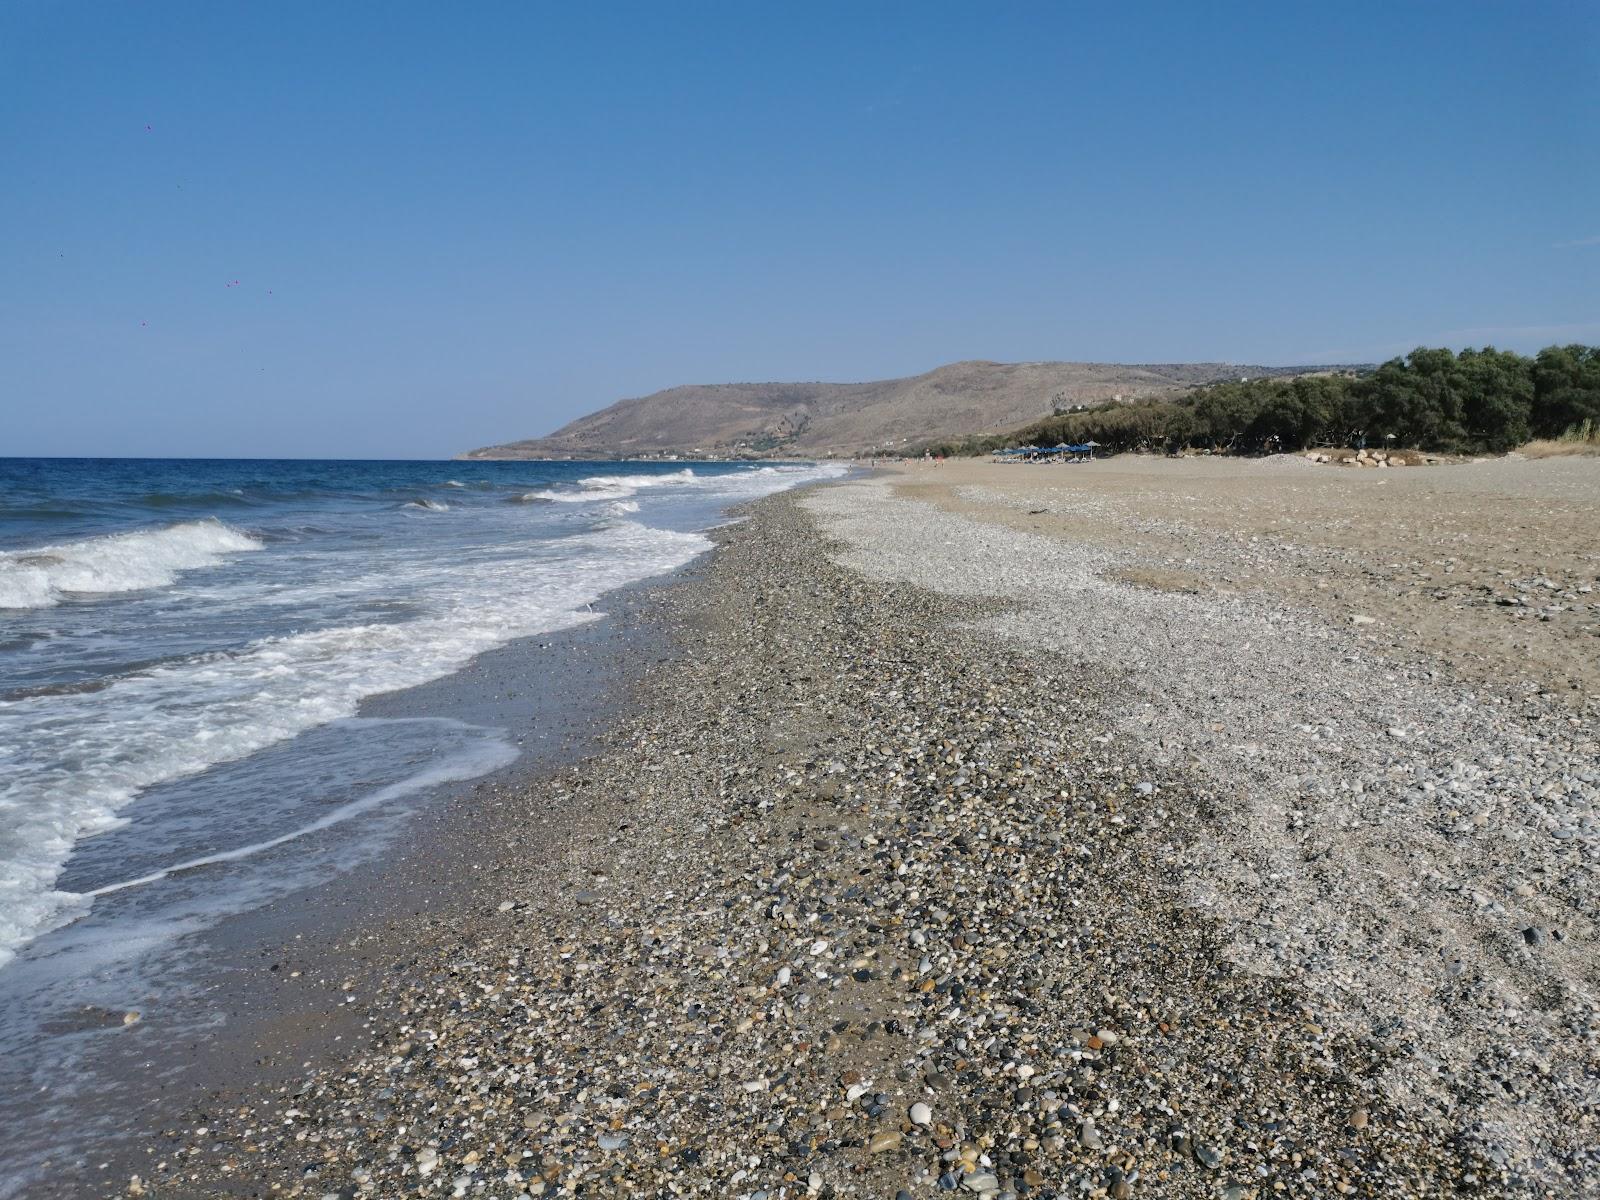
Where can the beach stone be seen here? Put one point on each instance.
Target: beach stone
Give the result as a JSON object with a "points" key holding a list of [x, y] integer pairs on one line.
{"points": [[1207, 1156], [921, 1114], [884, 1140]]}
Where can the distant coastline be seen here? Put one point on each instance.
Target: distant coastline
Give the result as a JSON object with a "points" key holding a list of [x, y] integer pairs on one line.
{"points": [[744, 421]]}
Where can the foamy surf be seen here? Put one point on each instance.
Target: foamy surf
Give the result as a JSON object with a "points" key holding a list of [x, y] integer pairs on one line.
{"points": [[618, 487], [126, 562], [77, 761], [467, 763]]}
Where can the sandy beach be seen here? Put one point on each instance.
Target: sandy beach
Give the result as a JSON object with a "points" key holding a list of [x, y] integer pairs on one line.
{"points": [[1150, 828]]}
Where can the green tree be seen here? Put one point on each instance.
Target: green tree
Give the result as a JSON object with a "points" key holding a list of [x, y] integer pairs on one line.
{"points": [[1566, 389]]}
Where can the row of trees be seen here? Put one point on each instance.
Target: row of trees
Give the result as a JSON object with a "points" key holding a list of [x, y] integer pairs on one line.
{"points": [[1477, 401]]}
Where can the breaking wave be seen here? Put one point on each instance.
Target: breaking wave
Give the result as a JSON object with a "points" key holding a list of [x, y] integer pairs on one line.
{"points": [[122, 562]]}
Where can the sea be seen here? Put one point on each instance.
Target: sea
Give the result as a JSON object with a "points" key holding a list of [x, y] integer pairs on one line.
{"points": [[185, 649]]}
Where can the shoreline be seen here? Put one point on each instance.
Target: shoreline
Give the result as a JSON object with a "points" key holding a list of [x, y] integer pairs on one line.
{"points": [[877, 891], [270, 993]]}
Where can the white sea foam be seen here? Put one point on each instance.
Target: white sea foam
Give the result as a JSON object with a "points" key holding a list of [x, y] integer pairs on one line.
{"points": [[635, 482], [618, 487], [749, 483], [585, 496], [466, 763], [69, 764], [430, 505], [123, 562]]}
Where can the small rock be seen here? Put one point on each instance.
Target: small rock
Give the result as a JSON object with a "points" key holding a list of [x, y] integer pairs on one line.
{"points": [[883, 1141], [921, 1114]]}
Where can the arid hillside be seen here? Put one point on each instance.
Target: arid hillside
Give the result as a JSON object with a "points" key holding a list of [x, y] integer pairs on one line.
{"points": [[821, 419]]}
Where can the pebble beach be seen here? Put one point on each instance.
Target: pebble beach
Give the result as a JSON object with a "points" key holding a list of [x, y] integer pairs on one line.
{"points": [[1021, 832]]}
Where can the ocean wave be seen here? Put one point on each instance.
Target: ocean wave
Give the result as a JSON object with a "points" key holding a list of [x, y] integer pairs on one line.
{"points": [[233, 497], [429, 505], [686, 475], [467, 763], [614, 487], [121, 562], [585, 495], [73, 761]]}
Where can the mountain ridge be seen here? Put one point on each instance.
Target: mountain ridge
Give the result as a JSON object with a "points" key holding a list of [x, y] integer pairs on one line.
{"points": [[817, 419]]}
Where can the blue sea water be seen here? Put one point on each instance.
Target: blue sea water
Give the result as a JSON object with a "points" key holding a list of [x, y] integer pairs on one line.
{"points": [[188, 643]]}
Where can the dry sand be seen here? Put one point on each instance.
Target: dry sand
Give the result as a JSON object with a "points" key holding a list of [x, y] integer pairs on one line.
{"points": [[1492, 567], [1385, 681]]}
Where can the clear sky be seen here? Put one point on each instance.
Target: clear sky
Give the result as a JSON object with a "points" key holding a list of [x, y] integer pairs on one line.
{"points": [[398, 229]]}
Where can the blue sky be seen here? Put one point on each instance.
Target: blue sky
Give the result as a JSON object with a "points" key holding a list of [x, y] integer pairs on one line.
{"points": [[459, 224]]}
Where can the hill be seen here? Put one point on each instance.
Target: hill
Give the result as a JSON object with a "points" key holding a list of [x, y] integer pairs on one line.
{"points": [[813, 420]]}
